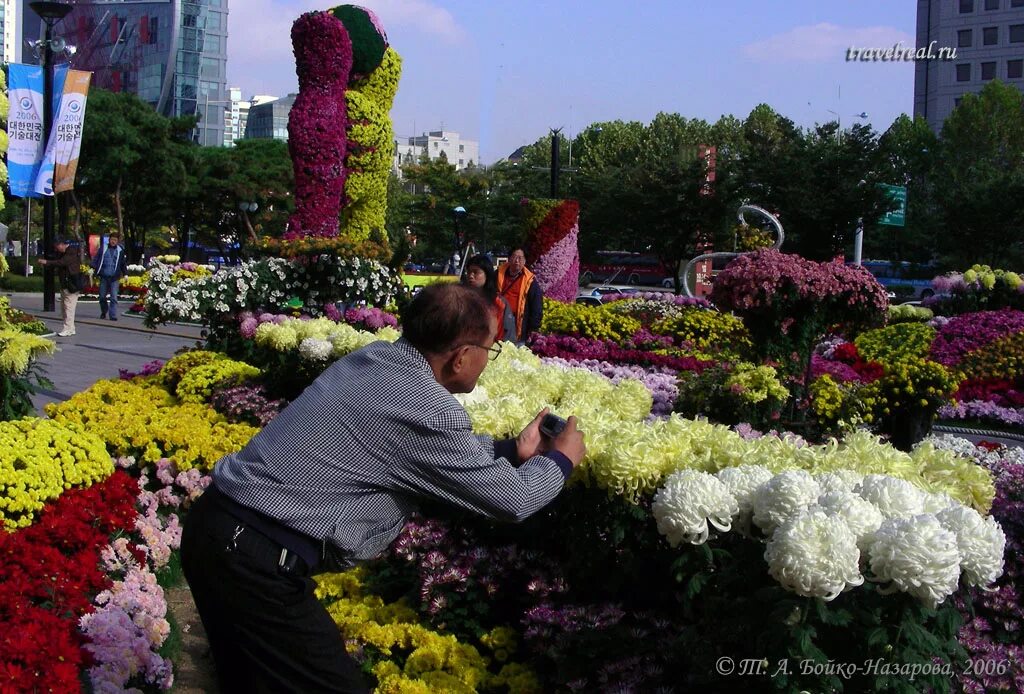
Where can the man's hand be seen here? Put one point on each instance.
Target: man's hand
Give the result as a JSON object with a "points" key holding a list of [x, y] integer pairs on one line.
{"points": [[570, 442], [531, 442]]}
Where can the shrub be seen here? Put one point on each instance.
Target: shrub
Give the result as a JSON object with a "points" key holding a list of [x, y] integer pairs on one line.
{"points": [[595, 322], [895, 342]]}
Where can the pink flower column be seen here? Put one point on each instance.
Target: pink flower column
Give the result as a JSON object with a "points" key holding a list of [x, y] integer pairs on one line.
{"points": [[317, 124]]}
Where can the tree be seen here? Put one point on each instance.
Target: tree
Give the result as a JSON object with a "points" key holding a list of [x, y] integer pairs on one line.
{"points": [[129, 164], [980, 179], [908, 152]]}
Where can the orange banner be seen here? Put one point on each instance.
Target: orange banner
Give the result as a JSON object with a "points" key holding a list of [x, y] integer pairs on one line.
{"points": [[67, 129]]}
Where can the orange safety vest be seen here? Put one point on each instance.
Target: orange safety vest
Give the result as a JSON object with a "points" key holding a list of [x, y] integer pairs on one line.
{"points": [[516, 302]]}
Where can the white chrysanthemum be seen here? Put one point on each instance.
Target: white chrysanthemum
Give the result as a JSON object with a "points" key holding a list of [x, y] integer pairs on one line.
{"points": [[918, 555], [784, 497], [861, 516], [932, 502], [315, 349], [814, 555], [690, 500], [980, 541], [839, 481], [743, 481], [895, 498]]}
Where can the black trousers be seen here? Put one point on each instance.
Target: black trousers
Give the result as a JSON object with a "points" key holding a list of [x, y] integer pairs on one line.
{"points": [[267, 631]]}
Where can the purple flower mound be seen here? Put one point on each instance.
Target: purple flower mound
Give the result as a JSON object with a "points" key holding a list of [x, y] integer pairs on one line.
{"points": [[317, 123], [148, 369], [969, 332], [993, 629], [370, 318]]}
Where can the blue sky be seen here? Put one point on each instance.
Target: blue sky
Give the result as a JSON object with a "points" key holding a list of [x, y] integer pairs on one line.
{"points": [[503, 72]]}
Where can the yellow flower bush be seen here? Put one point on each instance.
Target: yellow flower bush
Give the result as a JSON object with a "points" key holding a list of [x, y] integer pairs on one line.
{"points": [[417, 659], [707, 330], [18, 349], [140, 418], [596, 322], [836, 406], [176, 367], [908, 385], [905, 313], [756, 383], [368, 103], [39, 460], [197, 384], [895, 342]]}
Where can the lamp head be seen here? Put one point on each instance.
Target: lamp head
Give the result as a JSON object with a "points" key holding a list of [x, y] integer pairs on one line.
{"points": [[50, 12]]}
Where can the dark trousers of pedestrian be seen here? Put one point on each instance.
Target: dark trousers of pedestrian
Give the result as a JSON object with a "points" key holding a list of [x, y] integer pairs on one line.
{"points": [[108, 285], [267, 630]]}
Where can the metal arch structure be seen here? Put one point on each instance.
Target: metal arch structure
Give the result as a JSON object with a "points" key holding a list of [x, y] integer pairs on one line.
{"points": [[780, 236]]}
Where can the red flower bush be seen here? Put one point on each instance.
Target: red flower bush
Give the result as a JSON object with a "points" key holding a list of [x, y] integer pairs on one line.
{"points": [[51, 572]]}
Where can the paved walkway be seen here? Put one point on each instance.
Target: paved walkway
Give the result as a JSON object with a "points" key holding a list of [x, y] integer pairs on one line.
{"points": [[97, 350]]}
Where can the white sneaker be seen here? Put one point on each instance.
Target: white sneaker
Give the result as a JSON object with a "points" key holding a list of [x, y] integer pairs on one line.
{"points": [[65, 333]]}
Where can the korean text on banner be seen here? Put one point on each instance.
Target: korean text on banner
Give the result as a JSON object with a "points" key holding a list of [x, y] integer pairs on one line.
{"points": [[25, 128], [68, 129], [44, 179]]}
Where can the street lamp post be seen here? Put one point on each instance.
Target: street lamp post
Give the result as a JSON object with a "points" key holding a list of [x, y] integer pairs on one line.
{"points": [[458, 213], [50, 13]]}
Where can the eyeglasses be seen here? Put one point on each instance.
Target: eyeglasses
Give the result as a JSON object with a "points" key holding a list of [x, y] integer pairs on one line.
{"points": [[495, 349]]}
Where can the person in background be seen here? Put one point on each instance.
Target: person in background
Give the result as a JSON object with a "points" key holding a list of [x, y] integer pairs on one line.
{"points": [[69, 271], [110, 265], [519, 287], [331, 481], [480, 273]]}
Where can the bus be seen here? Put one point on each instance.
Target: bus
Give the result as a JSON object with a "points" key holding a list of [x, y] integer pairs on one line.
{"points": [[623, 267], [907, 281]]}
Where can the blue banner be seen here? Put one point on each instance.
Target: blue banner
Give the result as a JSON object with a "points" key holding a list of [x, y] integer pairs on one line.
{"points": [[25, 128], [44, 178]]}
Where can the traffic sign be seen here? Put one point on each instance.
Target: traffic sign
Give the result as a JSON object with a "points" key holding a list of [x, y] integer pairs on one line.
{"points": [[898, 216]]}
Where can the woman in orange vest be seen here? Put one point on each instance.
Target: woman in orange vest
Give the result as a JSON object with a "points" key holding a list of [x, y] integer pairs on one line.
{"points": [[480, 273], [519, 287]]}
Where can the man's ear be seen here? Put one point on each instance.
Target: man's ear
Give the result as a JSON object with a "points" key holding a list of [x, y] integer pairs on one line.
{"points": [[457, 362]]}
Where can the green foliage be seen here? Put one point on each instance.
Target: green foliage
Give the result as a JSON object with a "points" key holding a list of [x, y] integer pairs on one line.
{"points": [[979, 178], [368, 45]]}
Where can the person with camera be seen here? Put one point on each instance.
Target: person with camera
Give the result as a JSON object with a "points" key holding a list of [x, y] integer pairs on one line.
{"points": [[69, 273], [332, 480]]}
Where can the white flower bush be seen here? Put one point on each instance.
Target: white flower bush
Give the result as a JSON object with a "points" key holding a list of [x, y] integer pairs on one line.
{"points": [[814, 555], [895, 498], [918, 556], [839, 481], [266, 284], [783, 497], [315, 349], [688, 502], [980, 541], [742, 482], [861, 516]]}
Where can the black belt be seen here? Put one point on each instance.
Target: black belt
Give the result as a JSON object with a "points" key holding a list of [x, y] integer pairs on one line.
{"points": [[298, 551]]}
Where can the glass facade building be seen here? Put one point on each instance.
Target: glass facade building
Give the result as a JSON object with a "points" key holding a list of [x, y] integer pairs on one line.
{"points": [[270, 119], [170, 53]]}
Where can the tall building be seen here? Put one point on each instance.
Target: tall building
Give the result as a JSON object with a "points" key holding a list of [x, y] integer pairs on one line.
{"points": [[235, 117], [269, 119], [462, 153], [9, 29], [170, 53], [988, 36]]}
